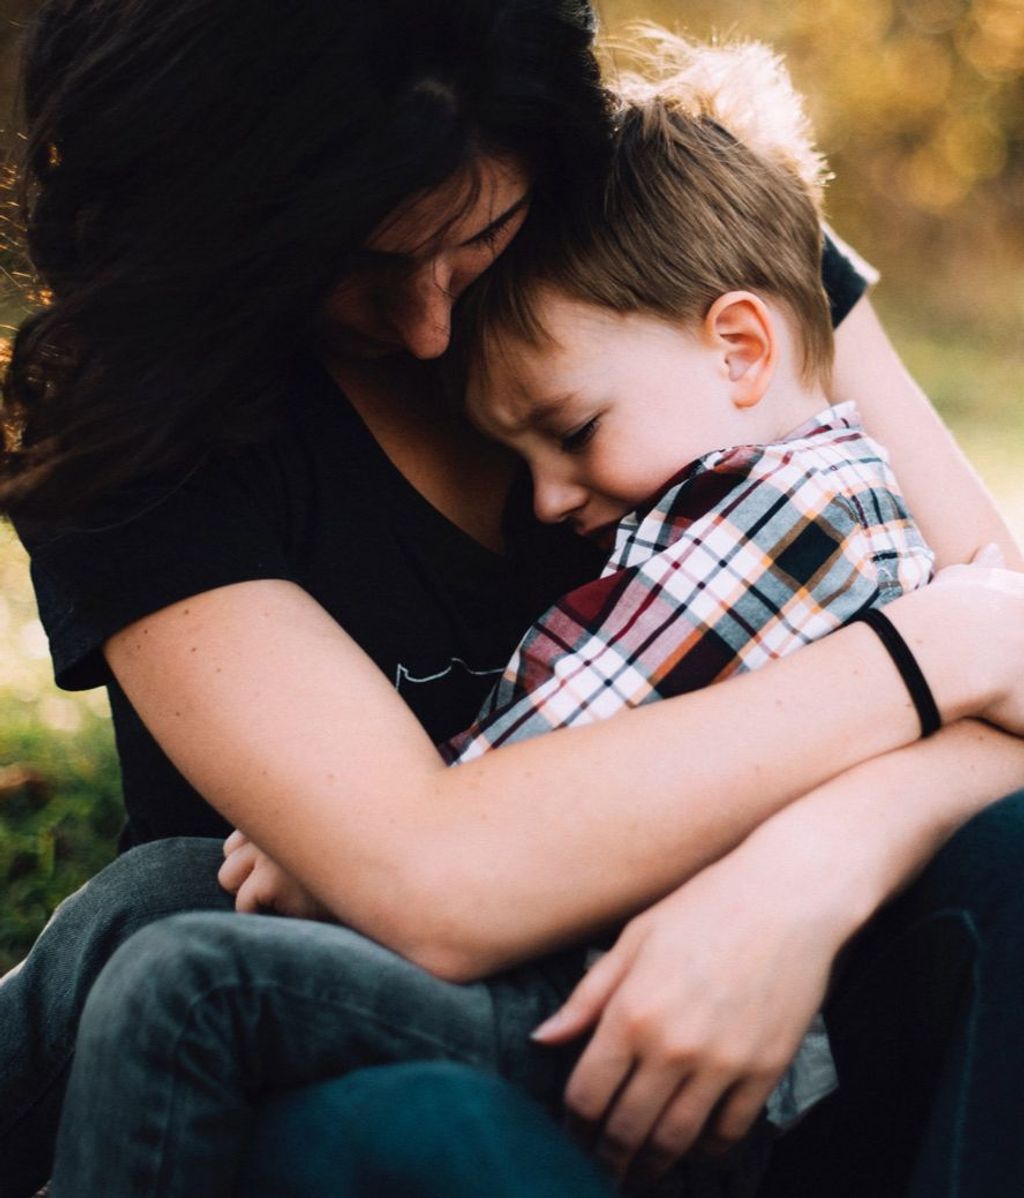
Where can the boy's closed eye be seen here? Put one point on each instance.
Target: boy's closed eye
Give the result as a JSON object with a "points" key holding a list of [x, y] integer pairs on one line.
{"points": [[579, 438]]}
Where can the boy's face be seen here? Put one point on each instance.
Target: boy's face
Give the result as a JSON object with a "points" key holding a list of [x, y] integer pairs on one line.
{"points": [[607, 413]]}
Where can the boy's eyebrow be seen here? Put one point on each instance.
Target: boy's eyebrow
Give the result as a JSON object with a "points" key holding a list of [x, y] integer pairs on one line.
{"points": [[542, 409]]}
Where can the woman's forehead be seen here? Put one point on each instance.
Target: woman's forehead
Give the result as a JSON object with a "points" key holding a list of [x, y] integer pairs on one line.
{"points": [[458, 212]]}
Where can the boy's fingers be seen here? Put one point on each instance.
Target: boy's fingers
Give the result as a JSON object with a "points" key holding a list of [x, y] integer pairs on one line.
{"points": [[235, 841], [237, 867], [247, 899]]}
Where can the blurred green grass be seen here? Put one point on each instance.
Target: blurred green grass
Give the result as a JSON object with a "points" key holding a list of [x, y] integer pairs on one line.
{"points": [[60, 792]]}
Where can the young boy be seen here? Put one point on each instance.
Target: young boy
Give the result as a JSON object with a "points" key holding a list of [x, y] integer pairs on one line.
{"points": [[663, 368]]}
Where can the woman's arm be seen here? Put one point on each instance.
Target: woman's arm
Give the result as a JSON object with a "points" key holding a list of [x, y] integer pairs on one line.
{"points": [[705, 996], [949, 501], [275, 715]]}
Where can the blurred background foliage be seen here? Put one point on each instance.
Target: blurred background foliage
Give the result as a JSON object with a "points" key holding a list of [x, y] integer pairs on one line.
{"points": [[919, 106]]}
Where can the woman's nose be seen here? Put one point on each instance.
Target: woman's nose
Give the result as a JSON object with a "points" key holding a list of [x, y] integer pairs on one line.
{"points": [[423, 318], [555, 499]]}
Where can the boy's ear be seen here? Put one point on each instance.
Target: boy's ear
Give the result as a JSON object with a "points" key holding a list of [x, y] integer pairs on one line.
{"points": [[740, 324]]}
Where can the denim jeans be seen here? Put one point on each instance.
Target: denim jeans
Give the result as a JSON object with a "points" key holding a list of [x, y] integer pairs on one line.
{"points": [[188, 1021], [41, 1001], [429, 1130], [925, 1019]]}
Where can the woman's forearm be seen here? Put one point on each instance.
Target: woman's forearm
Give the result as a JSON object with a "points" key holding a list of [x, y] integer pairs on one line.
{"points": [[699, 775], [861, 837], [950, 503], [514, 864]]}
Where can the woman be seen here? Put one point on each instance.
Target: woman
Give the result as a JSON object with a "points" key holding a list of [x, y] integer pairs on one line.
{"points": [[222, 210]]}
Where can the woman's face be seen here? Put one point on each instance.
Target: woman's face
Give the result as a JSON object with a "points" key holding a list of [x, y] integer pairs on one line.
{"points": [[417, 263]]}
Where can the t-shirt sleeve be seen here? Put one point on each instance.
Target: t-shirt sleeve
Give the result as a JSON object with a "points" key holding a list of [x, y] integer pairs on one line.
{"points": [[845, 275], [146, 548]]}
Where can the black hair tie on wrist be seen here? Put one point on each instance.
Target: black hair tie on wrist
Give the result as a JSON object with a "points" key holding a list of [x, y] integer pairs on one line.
{"points": [[904, 661]]}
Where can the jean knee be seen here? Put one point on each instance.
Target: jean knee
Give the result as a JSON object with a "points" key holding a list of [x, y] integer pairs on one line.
{"points": [[175, 874], [145, 883], [156, 976]]}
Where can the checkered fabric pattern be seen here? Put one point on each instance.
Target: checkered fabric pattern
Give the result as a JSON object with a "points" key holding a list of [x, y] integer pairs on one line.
{"points": [[750, 553]]}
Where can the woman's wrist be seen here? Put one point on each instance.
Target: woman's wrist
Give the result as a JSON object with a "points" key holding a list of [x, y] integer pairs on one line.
{"points": [[857, 840], [906, 663], [806, 857], [958, 645]]}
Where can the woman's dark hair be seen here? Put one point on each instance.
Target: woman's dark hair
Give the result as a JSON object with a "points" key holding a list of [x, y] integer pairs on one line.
{"points": [[196, 176]]}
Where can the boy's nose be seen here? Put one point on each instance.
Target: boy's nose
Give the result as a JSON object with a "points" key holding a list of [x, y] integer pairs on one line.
{"points": [[555, 500]]}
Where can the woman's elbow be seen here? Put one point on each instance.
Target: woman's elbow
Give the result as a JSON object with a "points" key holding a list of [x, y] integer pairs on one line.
{"points": [[427, 923], [450, 963], [449, 952]]}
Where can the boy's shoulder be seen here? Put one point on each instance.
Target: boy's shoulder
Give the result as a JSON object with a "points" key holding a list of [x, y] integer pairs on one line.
{"points": [[827, 468], [830, 454], [823, 494]]}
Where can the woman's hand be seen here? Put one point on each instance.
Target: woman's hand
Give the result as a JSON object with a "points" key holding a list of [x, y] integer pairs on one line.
{"points": [[1005, 591], [967, 633], [260, 884], [704, 999], [699, 1008]]}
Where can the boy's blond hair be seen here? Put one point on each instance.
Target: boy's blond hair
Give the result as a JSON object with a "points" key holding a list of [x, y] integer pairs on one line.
{"points": [[713, 185]]}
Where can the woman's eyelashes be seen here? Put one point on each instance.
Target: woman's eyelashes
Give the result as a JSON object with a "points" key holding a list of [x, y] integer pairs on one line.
{"points": [[500, 232], [580, 437], [490, 239]]}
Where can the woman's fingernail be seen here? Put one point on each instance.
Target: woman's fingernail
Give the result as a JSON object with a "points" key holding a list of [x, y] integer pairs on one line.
{"points": [[549, 1027], [989, 555]]}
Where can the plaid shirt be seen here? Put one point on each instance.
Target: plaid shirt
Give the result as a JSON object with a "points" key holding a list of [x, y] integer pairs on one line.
{"points": [[748, 554]]}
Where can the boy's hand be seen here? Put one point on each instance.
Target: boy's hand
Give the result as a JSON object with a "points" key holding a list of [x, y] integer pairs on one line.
{"points": [[697, 1012], [259, 884]]}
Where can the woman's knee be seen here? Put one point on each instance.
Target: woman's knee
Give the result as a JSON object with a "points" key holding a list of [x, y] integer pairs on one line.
{"points": [[163, 877], [144, 884], [422, 1127]]}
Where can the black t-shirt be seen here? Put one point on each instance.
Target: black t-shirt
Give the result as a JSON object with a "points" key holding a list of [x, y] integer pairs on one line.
{"points": [[321, 505]]}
